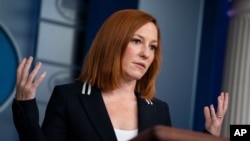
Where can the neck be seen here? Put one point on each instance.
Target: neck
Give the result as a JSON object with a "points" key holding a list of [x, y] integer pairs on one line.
{"points": [[126, 90]]}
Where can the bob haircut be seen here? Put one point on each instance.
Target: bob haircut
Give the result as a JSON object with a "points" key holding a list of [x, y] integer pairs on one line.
{"points": [[103, 63]]}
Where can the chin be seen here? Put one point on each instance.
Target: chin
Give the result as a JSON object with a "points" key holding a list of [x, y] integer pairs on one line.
{"points": [[135, 76], [132, 78], [138, 77]]}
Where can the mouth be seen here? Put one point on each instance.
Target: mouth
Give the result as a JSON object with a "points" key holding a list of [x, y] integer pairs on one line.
{"points": [[141, 65]]}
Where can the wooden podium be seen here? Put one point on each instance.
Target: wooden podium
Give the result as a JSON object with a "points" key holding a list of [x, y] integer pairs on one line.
{"points": [[164, 133]]}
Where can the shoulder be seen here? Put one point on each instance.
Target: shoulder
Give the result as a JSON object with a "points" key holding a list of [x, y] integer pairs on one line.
{"points": [[159, 106], [74, 84], [155, 103], [157, 109], [72, 87], [160, 103], [64, 90], [76, 88], [65, 93]]}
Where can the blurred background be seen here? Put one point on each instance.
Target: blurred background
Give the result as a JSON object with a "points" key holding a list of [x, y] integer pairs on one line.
{"points": [[59, 33]]}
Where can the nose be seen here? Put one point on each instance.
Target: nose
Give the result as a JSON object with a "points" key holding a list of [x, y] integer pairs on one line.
{"points": [[145, 52]]}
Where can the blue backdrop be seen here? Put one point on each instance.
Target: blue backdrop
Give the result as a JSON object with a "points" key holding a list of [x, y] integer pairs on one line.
{"points": [[211, 62]]}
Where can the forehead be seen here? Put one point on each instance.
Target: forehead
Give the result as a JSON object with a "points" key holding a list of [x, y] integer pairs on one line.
{"points": [[148, 30]]}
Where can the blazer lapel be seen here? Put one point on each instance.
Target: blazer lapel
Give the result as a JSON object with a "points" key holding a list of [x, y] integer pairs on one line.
{"points": [[93, 103], [94, 106]]}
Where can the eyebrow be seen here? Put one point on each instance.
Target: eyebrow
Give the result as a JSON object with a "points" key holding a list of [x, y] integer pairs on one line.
{"points": [[144, 38]]}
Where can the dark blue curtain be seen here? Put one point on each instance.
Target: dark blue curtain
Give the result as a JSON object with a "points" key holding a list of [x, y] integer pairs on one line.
{"points": [[211, 59], [98, 11], [93, 14]]}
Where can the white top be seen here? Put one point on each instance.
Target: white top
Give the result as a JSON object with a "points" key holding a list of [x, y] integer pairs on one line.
{"points": [[125, 135]]}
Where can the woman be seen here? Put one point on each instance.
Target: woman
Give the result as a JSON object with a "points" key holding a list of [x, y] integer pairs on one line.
{"points": [[113, 98]]}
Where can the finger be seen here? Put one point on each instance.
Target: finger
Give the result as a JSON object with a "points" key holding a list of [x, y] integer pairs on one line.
{"points": [[34, 72], [220, 108], [39, 80], [207, 113], [25, 70], [212, 112], [226, 101], [20, 70]]}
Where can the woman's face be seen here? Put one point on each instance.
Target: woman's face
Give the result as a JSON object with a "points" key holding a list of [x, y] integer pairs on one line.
{"points": [[140, 52]]}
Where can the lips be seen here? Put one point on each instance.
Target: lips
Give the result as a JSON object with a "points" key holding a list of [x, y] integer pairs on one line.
{"points": [[142, 65]]}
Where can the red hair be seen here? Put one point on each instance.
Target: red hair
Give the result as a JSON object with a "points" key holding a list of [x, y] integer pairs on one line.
{"points": [[103, 63]]}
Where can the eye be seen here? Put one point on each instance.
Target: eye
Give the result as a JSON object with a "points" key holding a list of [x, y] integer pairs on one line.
{"points": [[136, 41], [153, 47]]}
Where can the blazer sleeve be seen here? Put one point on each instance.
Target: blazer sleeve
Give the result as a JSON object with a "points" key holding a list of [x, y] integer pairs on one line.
{"points": [[26, 120]]}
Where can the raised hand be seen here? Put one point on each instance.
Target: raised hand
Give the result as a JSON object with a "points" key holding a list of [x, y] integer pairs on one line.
{"points": [[214, 119], [26, 84]]}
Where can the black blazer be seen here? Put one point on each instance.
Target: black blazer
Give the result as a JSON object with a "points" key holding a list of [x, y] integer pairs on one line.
{"points": [[77, 112]]}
